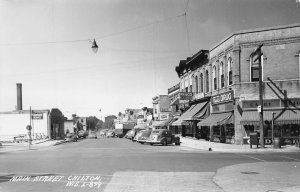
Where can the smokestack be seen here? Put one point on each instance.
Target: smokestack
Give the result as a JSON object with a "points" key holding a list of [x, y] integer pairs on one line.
{"points": [[19, 96]]}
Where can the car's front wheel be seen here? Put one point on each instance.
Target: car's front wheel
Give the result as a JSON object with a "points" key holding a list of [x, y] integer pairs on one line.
{"points": [[164, 142], [177, 142]]}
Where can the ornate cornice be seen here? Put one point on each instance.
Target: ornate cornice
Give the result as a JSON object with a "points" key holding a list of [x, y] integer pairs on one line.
{"points": [[269, 42]]}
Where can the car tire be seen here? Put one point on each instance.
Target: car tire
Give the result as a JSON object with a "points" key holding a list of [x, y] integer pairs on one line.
{"points": [[177, 142], [151, 143], [164, 142], [142, 143]]}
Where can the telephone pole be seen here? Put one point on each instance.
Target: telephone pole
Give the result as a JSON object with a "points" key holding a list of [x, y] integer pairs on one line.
{"points": [[256, 55]]}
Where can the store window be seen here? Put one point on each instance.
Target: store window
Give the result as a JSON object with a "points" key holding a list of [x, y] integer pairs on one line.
{"points": [[229, 71], [207, 81], [254, 71], [214, 78], [201, 83], [222, 79]]}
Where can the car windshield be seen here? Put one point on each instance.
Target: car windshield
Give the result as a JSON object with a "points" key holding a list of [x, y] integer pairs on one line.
{"points": [[155, 132]]}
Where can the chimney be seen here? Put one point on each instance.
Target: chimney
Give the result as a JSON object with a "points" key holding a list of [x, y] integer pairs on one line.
{"points": [[19, 96]]}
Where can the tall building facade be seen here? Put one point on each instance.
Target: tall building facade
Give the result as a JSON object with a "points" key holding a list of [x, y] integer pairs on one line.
{"points": [[231, 79]]}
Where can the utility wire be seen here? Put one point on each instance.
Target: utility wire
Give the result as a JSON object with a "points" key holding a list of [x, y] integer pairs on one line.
{"points": [[186, 26], [101, 37]]}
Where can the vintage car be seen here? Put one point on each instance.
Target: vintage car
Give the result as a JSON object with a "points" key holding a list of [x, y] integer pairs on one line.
{"points": [[143, 135], [163, 137]]}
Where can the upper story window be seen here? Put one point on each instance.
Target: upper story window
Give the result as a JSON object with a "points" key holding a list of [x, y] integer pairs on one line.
{"points": [[254, 68], [222, 78], [207, 81], [201, 83], [229, 71], [214, 78], [196, 84]]}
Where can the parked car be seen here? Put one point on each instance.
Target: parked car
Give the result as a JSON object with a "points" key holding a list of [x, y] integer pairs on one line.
{"points": [[130, 134], [143, 136], [71, 137], [138, 134], [82, 134], [134, 133], [110, 133], [92, 135], [163, 137]]}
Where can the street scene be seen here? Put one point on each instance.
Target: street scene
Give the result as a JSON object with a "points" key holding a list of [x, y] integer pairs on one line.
{"points": [[157, 95]]}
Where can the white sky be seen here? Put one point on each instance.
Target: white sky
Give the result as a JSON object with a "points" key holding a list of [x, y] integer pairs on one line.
{"points": [[45, 46]]}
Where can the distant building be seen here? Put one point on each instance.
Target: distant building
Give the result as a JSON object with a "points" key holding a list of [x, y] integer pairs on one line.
{"points": [[161, 107]]}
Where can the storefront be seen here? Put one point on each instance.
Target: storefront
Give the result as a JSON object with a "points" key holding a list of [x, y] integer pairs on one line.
{"points": [[187, 122], [221, 120], [286, 120]]}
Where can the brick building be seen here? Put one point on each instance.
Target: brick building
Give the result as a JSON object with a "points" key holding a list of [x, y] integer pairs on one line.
{"points": [[231, 78]]}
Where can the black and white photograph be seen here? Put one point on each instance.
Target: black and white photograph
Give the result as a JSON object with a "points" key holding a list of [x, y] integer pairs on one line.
{"points": [[150, 95]]}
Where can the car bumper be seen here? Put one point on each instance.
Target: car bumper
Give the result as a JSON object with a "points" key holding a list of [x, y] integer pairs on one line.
{"points": [[152, 142]]}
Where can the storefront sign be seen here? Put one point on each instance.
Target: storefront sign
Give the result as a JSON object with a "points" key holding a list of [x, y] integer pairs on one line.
{"points": [[185, 95], [267, 104], [37, 115], [164, 116], [272, 103], [222, 98], [222, 107]]}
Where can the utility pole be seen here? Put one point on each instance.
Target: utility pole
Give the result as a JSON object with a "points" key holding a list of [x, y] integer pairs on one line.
{"points": [[256, 55]]}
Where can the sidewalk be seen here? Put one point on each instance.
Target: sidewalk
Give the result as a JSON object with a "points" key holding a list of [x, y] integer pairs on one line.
{"points": [[24, 146], [259, 177], [232, 148]]}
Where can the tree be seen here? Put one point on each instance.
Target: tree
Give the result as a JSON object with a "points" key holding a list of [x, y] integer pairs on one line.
{"points": [[91, 122]]}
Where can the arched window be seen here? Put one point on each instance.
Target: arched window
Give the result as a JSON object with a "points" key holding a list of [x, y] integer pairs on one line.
{"points": [[222, 78], [214, 78], [254, 68], [229, 71], [196, 84], [201, 83], [207, 81]]}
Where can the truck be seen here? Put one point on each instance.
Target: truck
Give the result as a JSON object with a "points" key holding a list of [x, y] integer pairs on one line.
{"points": [[122, 128]]}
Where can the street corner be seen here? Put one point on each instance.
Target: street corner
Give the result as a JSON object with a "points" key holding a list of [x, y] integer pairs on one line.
{"points": [[261, 176], [15, 182]]}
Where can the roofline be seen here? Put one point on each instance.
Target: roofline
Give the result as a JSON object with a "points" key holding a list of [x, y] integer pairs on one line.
{"points": [[202, 51], [24, 111], [255, 31]]}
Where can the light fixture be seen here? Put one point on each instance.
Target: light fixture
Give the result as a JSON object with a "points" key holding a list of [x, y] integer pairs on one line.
{"points": [[94, 46]]}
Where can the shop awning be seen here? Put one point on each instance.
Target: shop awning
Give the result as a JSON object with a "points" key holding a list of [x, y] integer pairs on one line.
{"points": [[281, 117], [198, 109], [178, 122], [217, 119], [165, 123]]}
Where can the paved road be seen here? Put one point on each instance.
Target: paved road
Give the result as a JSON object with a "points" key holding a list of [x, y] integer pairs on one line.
{"points": [[122, 165]]}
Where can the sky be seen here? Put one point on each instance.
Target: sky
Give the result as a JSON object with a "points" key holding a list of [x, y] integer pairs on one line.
{"points": [[46, 46]]}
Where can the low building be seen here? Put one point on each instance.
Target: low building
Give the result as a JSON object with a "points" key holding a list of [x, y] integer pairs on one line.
{"points": [[44, 123]]}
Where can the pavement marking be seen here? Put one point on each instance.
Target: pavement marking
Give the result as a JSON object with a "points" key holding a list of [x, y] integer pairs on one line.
{"points": [[290, 158], [254, 158]]}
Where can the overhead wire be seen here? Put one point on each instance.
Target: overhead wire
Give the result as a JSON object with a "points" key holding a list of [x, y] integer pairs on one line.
{"points": [[97, 38], [187, 27]]}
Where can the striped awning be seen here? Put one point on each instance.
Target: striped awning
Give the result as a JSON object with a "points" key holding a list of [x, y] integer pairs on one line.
{"points": [[217, 119], [281, 117]]}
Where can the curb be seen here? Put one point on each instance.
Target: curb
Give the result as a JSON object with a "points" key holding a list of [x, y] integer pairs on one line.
{"points": [[59, 142], [206, 147]]}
